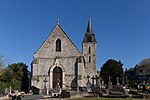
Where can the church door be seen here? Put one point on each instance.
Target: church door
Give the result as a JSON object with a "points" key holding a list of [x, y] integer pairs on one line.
{"points": [[57, 76]]}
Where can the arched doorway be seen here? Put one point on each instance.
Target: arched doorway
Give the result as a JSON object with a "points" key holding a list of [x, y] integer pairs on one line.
{"points": [[57, 75]]}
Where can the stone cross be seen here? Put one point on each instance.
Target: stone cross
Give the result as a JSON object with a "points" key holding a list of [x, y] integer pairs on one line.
{"points": [[93, 78], [97, 82], [58, 21], [45, 82], [109, 83], [118, 81], [88, 77], [45, 86], [10, 89], [123, 79]]}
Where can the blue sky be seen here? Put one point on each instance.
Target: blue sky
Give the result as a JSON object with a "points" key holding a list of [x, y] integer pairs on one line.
{"points": [[122, 27]]}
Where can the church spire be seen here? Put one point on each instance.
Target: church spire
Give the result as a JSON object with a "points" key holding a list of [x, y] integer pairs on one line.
{"points": [[89, 27], [89, 36]]}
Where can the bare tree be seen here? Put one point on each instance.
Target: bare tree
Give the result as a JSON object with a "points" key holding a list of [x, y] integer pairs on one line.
{"points": [[3, 63]]}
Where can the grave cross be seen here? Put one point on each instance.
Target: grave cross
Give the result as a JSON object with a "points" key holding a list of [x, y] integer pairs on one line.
{"points": [[118, 81], [109, 83], [93, 78], [97, 78], [88, 77], [109, 79], [45, 82]]}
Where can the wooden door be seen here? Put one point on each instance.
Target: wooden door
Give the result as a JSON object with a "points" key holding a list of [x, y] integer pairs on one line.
{"points": [[57, 75]]}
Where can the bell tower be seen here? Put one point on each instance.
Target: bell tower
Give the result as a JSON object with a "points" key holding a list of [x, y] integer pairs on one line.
{"points": [[89, 50]]}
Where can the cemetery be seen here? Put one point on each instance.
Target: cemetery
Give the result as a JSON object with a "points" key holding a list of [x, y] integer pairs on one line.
{"points": [[98, 90], [70, 59]]}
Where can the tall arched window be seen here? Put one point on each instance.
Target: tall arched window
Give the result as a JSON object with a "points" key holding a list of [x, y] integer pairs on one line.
{"points": [[58, 45], [89, 50], [89, 38], [89, 59]]}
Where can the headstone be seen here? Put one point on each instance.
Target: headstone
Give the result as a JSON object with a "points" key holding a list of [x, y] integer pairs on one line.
{"points": [[35, 90], [45, 83], [126, 91], [123, 80], [89, 86], [100, 84], [93, 83], [10, 89], [109, 83], [97, 81], [65, 94], [6, 91], [93, 78], [45, 90]]}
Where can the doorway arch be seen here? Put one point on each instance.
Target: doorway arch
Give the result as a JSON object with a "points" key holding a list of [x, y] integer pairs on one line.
{"points": [[57, 76]]}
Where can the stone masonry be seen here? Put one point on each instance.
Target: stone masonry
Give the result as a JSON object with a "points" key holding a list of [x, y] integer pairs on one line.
{"points": [[67, 65]]}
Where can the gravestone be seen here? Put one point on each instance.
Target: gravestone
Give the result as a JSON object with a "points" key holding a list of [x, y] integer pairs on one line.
{"points": [[35, 90], [44, 91], [109, 83], [96, 86], [100, 84], [65, 94], [118, 81], [89, 86], [97, 81], [6, 91], [126, 91]]}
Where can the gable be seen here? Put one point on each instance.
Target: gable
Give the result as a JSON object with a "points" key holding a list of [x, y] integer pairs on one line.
{"points": [[48, 48]]}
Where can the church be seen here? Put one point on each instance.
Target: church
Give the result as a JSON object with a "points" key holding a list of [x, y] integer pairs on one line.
{"points": [[58, 59]]}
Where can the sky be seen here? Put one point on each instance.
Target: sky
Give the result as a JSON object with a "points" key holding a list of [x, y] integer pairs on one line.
{"points": [[122, 27]]}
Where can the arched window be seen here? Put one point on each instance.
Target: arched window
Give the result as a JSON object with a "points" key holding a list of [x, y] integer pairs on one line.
{"points": [[89, 38], [89, 50], [58, 45], [89, 59]]}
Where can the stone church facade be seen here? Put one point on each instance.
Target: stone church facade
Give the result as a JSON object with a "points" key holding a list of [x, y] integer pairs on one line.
{"points": [[58, 59]]}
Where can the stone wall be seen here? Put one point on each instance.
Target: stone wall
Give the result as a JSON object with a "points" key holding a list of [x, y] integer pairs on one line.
{"points": [[45, 57]]}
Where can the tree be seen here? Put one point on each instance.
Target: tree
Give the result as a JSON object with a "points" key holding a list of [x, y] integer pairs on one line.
{"points": [[16, 76], [1, 65], [25, 79], [113, 69], [2, 84]]}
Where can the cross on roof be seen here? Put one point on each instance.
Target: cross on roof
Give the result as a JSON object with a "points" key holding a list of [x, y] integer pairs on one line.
{"points": [[58, 21]]}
